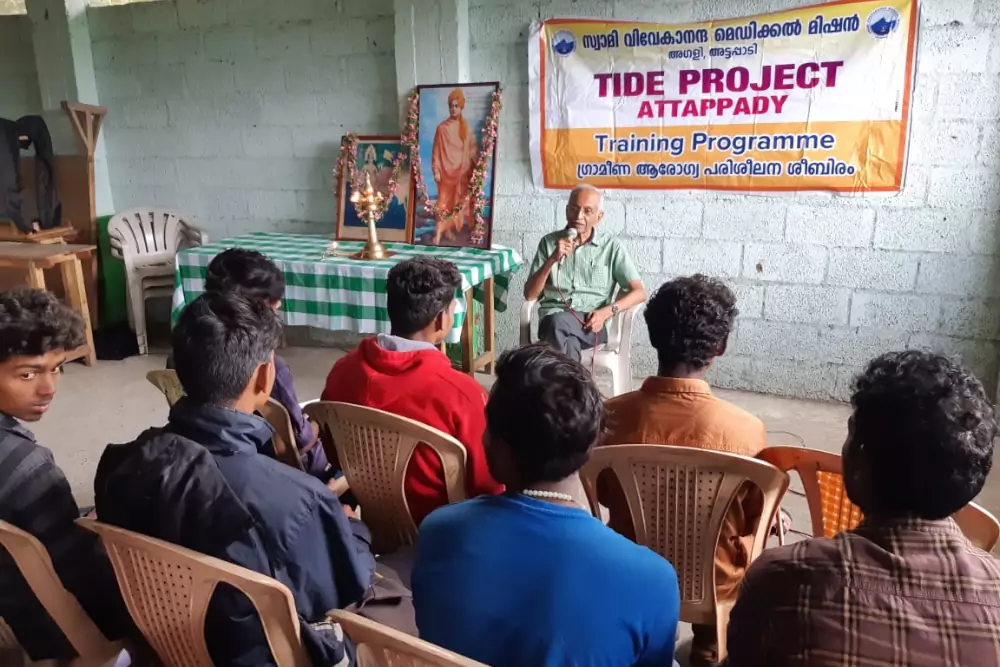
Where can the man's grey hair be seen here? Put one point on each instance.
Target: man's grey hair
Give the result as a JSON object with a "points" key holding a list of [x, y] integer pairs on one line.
{"points": [[587, 187]]}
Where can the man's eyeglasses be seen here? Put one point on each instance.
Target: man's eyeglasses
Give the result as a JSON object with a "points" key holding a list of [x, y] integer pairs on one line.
{"points": [[574, 211]]}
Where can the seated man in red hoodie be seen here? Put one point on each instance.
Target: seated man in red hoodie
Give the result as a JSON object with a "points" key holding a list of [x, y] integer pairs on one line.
{"points": [[406, 373]]}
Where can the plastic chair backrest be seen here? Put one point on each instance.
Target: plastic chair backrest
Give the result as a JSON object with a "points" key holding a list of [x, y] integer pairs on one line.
{"points": [[822, 473], [35, 565], [977, 524], [285, 447], [374, 448], [678, 498], [167, 382], [822, 476], [144, 236], [381, 646], [167, 589]]}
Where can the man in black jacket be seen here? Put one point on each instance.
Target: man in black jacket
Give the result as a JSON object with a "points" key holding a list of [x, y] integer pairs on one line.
{"points": [[36, 331], [201, 482]]}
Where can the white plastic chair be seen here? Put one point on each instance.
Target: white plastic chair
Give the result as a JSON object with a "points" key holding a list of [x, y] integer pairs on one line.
{"points": [[615, 355], [147, 240]]}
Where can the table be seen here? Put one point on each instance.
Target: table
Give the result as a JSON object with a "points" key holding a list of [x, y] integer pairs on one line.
{"points": [[34, 258], [62, 234], [342, 294]]}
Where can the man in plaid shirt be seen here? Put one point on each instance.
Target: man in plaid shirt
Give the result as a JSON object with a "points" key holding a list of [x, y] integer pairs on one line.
{"points": [[905, 588]]}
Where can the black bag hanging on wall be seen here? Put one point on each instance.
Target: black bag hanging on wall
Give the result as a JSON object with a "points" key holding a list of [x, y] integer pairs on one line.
{"points": [[36, 133]]}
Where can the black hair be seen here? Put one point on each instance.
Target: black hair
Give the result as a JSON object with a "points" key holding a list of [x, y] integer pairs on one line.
{"points": [[689, 320], [925, 428], [219, 341], [248, 271], [33, 323], [548, 410], [417, 290]]}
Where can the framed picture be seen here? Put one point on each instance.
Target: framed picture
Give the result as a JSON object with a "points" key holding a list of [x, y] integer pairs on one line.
{"points": [[374, 157], [450, 136]]}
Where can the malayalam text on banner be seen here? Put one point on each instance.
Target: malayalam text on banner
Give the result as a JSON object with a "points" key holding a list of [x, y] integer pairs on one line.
{"points": [[815, 98]]}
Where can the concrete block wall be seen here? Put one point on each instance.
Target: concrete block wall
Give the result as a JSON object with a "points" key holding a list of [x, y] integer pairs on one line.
{"points": [[824, 283], [19, 93], [233, 110]]}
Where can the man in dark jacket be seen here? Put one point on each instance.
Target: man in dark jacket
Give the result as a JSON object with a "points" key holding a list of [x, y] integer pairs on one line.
{"points": [[200, 482], [35, 333]]}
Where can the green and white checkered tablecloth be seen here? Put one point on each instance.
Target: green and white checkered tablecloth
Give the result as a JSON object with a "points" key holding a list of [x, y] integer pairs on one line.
{"points": [[339, 293]]}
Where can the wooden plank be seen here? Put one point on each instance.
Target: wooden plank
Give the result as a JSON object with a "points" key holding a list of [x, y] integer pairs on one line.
{"points": [[63, 234], [468, 339], [43, 255], [76, 297], [82, 352], [36, 277], [484, 362], [489, 323]]}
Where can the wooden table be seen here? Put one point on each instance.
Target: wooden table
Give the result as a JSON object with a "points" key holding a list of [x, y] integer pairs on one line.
{"points": [[34, 258]]}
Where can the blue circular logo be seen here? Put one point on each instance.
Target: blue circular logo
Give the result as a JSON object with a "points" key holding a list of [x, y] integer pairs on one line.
{"points": [[883, 22], [563, 43]]}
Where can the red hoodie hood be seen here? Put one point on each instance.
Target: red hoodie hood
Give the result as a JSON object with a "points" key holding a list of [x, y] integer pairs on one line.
{"points": [[380, 376]]}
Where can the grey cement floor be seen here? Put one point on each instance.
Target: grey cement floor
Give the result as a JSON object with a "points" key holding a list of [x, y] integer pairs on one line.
{"points": [[113, 402]]}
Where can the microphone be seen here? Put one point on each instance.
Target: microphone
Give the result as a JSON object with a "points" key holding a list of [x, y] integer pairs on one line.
{"points": [[570, 234]]}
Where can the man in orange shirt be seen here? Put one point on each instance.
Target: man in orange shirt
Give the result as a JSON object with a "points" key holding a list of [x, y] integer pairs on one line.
{"points": [[689, 321]]}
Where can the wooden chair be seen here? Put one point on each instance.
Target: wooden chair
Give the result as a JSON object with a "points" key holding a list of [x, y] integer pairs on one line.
{"points": [[374, 448], [678, 498], [167, 589], [832, 512], [35, 565], [381, 646], [285, 447], [167, 382]]}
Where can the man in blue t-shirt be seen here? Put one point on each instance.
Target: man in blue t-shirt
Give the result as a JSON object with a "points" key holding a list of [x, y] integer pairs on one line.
{"points": [[530, 577]]}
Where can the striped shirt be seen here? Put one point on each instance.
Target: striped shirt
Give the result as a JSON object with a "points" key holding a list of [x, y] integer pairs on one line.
{"points": [[902, 593], [35, 497]]}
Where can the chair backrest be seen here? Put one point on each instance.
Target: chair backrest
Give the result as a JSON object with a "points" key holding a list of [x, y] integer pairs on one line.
{"points": [[678, 498], [147, 235], [832, 512], [35, 565], [981, 527], [381, 646], [822, 473], [167, 589], [285, 447], [167, 382], [374, 448]]}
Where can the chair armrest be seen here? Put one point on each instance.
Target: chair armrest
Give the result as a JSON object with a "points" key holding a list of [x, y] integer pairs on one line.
{"points": [[620, 332], [527, 309]]}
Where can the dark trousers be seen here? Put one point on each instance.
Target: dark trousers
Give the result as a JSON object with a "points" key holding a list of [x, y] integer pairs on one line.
{"points": [[565, 332], [704, 645]]}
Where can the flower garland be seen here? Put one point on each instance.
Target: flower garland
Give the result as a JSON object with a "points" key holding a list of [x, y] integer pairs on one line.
{"points": [[347, 164], [477, 182]]}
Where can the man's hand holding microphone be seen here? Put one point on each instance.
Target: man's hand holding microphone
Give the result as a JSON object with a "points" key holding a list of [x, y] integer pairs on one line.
{"points": [[565, 245]]}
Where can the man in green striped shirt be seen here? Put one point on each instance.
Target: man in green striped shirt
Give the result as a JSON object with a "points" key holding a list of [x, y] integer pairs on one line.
{"points": [[575, 275]]}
